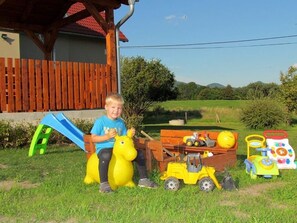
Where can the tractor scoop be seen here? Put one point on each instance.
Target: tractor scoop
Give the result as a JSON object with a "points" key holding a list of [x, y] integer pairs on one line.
{"points": [[228, 183]]}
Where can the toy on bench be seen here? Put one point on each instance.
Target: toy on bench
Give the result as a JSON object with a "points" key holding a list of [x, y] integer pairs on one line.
{"points": [[281, 151], [198, 140]]}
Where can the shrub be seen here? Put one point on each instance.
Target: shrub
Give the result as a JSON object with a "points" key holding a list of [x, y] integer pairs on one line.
{"points": [[263, 114], [4, 133], [19, 135], [15, 135]]}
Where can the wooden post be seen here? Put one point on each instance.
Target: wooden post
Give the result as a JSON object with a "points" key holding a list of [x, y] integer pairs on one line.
{"points": [[111, 57], [89, 145]]}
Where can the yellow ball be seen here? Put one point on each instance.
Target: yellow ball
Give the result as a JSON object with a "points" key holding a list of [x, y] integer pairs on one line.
{"points": [[226, 139]]}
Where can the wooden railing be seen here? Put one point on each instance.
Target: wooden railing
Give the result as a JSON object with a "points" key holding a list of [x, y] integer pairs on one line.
{"points": [[28, 85]]}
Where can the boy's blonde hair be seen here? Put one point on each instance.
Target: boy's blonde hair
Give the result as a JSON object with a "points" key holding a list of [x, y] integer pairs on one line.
{"points": [[114, 97]]}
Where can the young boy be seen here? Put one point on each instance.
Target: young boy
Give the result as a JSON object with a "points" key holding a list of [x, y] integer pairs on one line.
{"points": [[103, 132]]}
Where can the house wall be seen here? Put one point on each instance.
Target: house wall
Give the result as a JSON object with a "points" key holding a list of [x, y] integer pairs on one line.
{"points": [[80, 49], [67, 48], [10, 46]]}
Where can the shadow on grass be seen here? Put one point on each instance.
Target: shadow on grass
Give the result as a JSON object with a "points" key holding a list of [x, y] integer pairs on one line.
{"points": [[241, 158], [294, 121]]}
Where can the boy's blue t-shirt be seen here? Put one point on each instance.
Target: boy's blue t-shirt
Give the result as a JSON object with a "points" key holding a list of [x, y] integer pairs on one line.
{"points": [[101, 127]]}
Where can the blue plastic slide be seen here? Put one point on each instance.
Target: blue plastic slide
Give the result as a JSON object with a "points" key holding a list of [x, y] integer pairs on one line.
{"points": [[61, 124]]}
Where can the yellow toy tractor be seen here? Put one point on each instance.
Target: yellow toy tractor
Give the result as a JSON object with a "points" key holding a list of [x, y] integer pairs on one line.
{"points": [[191, 172], [197, 140]]}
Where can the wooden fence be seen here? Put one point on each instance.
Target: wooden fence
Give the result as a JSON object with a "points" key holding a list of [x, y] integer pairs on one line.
{"points": [[28, 85]]}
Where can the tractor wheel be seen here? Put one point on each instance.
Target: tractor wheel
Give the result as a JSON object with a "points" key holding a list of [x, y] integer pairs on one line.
{"points": [[196, 143], [252, 175], [171, 183], [189, 142], [206, 184]]}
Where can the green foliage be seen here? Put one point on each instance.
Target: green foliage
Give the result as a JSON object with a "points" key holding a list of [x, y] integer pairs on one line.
{"points": [[289, 89], [143, 83], [228, 93], [188, 91], [14, 135], [84, 125], [253, 91], [4, 133], [210, 94], [259, 90], [263, 114], [19, 135]]}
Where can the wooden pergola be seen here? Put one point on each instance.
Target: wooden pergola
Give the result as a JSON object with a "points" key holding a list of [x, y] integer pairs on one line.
{"points": [[42, 20], [47, 17]]}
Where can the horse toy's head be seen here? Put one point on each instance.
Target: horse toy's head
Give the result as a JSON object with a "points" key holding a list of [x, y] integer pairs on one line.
{"points": [[124, 146]]}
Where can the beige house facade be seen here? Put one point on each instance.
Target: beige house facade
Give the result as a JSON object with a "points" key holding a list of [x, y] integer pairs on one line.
{"points": [[68, 47], [9, 45]]}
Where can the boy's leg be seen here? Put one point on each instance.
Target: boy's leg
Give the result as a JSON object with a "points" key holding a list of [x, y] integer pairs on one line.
{"points": [[144, 181], [104, 157]]}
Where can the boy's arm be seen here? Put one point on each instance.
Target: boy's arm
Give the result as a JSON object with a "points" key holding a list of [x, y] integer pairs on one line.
{"points": [[98, 138]]}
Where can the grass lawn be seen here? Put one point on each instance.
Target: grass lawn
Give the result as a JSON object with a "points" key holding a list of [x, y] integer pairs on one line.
{"points": [[50, 188]]}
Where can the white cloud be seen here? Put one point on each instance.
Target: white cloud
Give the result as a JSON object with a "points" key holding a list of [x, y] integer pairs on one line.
{"points": [[170, 17], [176, 18], [183, 17]]}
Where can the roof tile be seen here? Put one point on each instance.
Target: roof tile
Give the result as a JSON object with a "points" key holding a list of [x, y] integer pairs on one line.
{"points": [[87, 26]]}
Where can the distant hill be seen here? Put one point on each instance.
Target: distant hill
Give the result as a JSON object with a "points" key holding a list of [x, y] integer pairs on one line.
{"points": [[215, 85]]}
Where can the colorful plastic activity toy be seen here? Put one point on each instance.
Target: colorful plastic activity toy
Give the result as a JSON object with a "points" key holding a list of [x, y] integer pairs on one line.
{"points": [[259, 165], [61, 124], [120, 172], [280, 149]]}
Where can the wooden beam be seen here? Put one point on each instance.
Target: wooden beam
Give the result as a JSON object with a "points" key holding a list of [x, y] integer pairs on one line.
{"points": [[21, 26], [47, 45], [68, 20], [27, 10], [96, 14], [36, 40], [2, 1], [64, 9], [50, 38]]}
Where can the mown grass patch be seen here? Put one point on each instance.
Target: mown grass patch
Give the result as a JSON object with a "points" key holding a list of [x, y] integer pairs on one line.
{"points": [[50, 188], [61, 195]]}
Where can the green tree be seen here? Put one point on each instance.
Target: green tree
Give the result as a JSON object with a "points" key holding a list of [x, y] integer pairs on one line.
{"points": [[144, 83], [228, 93], [208, 93], [288, 88], [187, 91], [259, 90]]}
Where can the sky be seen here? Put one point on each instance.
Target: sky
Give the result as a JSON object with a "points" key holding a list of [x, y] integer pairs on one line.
{"points": [[235, 42]]}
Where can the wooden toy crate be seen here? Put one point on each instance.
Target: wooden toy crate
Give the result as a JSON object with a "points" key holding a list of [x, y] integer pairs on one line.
{"points": [[172, 142]]}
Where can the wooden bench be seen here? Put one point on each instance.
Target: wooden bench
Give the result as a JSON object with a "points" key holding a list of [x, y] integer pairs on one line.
{"points": [[172, 140]]}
